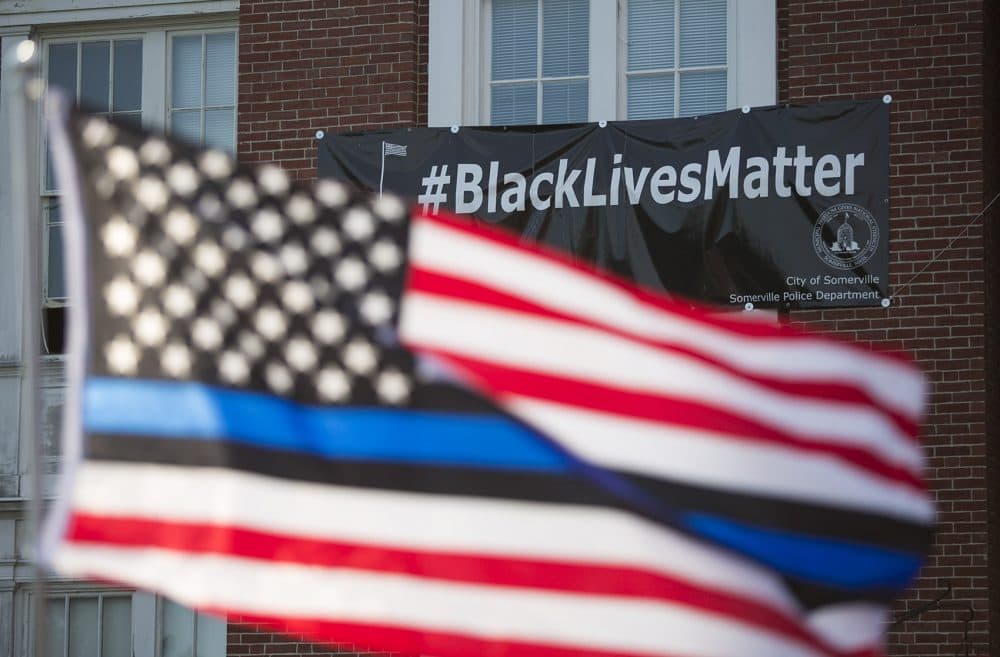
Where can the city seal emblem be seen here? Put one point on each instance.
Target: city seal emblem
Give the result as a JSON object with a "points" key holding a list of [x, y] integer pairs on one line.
{"points": [[845, 236]]}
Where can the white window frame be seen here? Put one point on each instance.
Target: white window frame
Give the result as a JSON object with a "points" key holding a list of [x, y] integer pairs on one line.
{"points": [[203, 108], [676, 70], [147, 616], [539, 79], [156, 71], [144, 629], [50, 195], [459, 59]]}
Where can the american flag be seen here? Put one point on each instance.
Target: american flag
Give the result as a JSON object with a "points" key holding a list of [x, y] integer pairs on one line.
{"points": [[393, 149], [558, 464]]}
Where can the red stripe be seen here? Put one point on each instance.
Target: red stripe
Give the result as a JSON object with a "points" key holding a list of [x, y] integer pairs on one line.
{"points": [[424, 641], [434, 283], [411, 641], [499, 381], [695, 312], [583, 578]]}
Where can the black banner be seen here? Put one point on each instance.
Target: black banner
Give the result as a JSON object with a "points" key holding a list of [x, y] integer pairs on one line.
{"points": [[778, 207]]}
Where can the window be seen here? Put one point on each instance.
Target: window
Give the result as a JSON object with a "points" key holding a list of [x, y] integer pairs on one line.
{"points": [[552, 61], [185, 633], [88, 625], [203, 88], [104, 75], [52, 396], [676, 58], [124, 75], [84, 622], [539, 61]]}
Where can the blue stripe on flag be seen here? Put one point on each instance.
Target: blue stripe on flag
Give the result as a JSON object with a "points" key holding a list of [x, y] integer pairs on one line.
{"points": [[821, 560], [187, 410]]}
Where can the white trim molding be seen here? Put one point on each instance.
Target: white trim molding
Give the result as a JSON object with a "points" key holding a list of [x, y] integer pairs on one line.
{"points": [[453, 55], [753, 53], [54, 12]]}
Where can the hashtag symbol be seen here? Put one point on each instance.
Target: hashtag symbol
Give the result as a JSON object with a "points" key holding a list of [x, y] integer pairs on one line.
{"points": [[434, 185]]}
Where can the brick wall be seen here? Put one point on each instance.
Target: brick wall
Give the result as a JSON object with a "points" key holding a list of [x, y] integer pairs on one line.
{"points": [[248, 639], [991, 242], [929, 56], [308, 65]]}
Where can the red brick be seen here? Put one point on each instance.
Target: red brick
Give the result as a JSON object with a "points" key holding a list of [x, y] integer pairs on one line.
{"points": [[937, 158]]}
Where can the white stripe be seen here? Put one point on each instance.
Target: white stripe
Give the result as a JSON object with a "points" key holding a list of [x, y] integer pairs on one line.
{"points": [[720, 461], [591, 621], [851, 627], [415, 521], [569, 350], [563, 289]]}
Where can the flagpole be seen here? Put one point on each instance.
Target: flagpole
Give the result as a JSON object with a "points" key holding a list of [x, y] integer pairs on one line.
{"points": [[27, 93], [381, 173]]}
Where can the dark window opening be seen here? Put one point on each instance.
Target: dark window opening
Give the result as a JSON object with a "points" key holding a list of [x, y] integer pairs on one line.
{"points": [[54, 330]]}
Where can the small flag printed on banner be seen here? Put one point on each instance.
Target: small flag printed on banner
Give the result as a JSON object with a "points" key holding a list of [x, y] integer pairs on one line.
{"points": [[388, 149], [552, 463], [393, 149]]}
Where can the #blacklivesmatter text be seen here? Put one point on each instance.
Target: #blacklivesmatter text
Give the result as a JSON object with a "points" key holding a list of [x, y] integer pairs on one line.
{"points": [[782, 175]]}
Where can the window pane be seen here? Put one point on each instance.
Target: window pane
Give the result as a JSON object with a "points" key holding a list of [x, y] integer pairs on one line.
{"points": [[211, 639], [651, 96], [52, 402], [61, 75], [62, 67], [82, 627], [54, 626], [515, 39], [703, 92], [219, 129], [564, 101], [185, 72], [650, 34], [50, 170], [186, 125], [514, 104], [55, 277], [703, 33], [95, 75], [220, 69], [128, 75], [178, 631], [135, 118], [116, 627], [565, 37]]}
